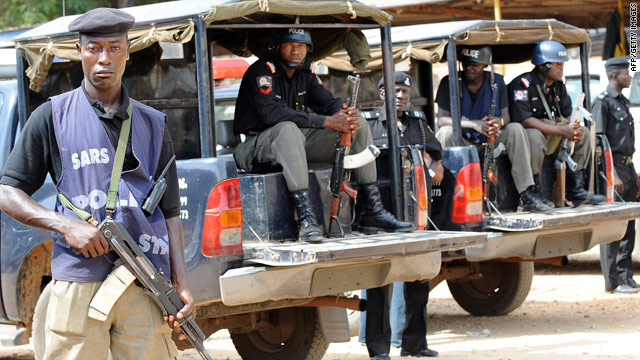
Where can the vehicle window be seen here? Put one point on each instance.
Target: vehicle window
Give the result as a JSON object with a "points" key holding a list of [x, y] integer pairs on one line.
{"points": [[574, 87], [634, 94], [225, 139], [225, 110]]}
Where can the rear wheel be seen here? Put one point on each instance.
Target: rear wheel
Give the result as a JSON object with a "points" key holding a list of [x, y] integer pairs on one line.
{"points": [[294, 333], [502, 288]]}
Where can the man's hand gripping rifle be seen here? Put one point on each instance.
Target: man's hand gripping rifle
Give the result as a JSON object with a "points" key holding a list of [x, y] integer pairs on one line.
{"points": [[340, 176], [153, 280]]}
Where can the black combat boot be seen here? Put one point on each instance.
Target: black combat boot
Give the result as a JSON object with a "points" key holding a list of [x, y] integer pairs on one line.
{"points": [[374, 217], [529, 202], [575, 190], [309, 229], [537, 192]]}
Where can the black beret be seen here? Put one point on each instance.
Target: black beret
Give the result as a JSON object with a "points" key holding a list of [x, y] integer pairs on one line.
{"points": [[399, 78], [102, 22], [621, 62]]}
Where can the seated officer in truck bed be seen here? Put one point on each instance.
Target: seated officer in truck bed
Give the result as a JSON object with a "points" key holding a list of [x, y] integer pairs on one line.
{"points": [[478, 125], [539, 101], [272, 111]]}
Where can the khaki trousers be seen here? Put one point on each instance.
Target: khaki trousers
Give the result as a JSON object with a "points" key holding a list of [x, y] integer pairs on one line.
{"points": [[133, 330], [514, 138], [293, 147], [538, 144]]}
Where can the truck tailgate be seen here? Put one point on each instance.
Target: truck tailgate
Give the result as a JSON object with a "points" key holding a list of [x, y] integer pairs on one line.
{"points": [[566, 231], [276, 271]]}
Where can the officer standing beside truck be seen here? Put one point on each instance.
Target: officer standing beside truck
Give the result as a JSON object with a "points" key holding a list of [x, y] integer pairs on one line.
{"points": [[478, 124], [272, 111], [539, 101], [73, 138], [410, 320], [613, 119]]}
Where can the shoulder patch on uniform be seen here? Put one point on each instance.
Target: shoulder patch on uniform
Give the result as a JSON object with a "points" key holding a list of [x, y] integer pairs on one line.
{"points": [[520, 95], [264, 84], [271, 67], [525, 81]]}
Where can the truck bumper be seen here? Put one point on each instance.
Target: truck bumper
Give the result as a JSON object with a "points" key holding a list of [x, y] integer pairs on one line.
{"points": [[566, 231], [301, 270]]}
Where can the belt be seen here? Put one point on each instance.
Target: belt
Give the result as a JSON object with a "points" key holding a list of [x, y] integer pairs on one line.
{"points": [[623, 159]]}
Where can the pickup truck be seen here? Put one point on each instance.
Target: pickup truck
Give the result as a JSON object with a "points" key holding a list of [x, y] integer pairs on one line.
{"points": [[495, 278], [279, 299]]}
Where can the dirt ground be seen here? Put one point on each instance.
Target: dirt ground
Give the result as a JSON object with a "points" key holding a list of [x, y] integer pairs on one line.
{"points": [[567, 315]]}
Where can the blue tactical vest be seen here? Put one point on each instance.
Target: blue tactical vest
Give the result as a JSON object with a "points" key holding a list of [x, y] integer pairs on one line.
{"points": [[481, 107], [87, 159]]}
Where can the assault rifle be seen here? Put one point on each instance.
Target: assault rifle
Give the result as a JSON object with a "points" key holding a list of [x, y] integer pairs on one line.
{"points": [[489, 169], [153, 280], [564, 160], [339, 177]]}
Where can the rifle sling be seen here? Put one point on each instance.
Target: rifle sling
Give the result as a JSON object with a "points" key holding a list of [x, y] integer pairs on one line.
{"points": [[545, 104], [116, 173]]}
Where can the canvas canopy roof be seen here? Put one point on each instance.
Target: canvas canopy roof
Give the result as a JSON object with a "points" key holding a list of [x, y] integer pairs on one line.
{"points": [[428, 41], [175, 22]]}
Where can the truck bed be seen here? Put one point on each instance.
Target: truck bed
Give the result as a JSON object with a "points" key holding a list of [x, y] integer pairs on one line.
{"points": [[276, 271], [566, 231]]}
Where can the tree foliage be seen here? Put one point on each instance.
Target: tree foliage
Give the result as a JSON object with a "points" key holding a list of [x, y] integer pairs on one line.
{"points": [[24, 13]]}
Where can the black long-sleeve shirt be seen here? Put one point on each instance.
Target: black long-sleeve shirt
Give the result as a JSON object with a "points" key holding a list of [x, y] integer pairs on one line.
{"points": [[268, 96]]}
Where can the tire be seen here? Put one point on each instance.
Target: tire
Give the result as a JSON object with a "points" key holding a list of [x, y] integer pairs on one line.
{"points": [[39, 317], [501, 289], [294, 333]]}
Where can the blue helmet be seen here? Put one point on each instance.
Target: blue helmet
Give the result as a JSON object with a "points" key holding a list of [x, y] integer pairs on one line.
{"points": [[292, 35], [549, 51]]}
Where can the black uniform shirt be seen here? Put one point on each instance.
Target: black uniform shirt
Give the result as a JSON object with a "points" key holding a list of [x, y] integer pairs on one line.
{"points": [[36, 152], [613, 118], [411, 133], [267, 96], [525, 101]]}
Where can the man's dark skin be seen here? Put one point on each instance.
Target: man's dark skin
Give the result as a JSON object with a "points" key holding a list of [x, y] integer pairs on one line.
{"points": [[103, 64], [403, 98], [488, 126], [619, 80], [571, 131], [344, 121]]}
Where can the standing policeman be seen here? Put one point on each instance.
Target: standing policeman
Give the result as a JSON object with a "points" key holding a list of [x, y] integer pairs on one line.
{"points": [[273, 112], [539, 101], [613, 119], [73, 138]]}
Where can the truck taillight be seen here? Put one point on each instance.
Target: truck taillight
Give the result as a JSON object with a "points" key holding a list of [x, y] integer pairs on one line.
{"points": [[423, 200], [608, 160], [467, 195], [222, 230]]}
